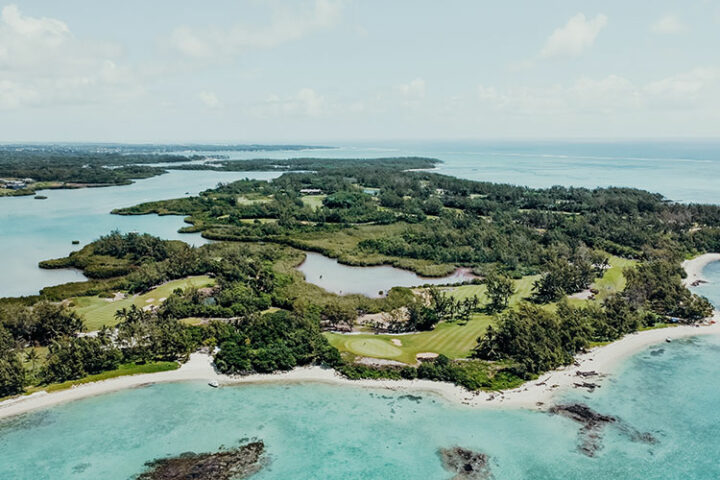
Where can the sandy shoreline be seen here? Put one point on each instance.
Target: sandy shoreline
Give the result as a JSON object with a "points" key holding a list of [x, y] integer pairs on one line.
{"points": [[535, 394], [695, 267]]}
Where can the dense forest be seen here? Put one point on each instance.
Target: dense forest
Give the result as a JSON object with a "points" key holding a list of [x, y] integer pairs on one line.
{"points": [[451, 221]]}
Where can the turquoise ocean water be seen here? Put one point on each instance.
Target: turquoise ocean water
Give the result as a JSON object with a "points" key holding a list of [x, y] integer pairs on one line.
{"points": [[34, 230], [330, 432]]}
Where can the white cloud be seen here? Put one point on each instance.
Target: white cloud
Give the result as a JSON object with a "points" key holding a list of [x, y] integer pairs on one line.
{"points": [[42, 63], [42, 27], [310, 103], [305, 103], [668, 25], [14, 95], [575, 36], [413, 90], [209, 99], [698, 88], [287, 25]]}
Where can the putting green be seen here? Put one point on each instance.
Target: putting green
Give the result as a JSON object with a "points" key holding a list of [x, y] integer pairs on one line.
{"points": [[372, 347]]}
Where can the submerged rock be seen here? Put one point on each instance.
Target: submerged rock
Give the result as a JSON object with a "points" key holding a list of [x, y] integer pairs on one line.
{"points": [[593, 424], [232, 464], [466, 464]]}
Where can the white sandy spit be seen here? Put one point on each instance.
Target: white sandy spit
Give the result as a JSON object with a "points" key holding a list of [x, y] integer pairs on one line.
{"points": [[695, 267], [536, 394]]}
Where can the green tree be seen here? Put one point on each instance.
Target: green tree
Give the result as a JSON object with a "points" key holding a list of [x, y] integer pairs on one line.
{"points": [[500, 288]]}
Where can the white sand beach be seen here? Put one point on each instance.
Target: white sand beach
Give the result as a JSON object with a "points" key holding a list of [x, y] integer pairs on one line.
{"points": [[535, 394], [695, 266]]}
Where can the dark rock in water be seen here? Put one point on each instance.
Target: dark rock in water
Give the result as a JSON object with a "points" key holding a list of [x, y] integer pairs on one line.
{"points": [[592, 426], [582, 414], [466, 464], [80, 467], [225, 465], [412, 398], [589, 385]]}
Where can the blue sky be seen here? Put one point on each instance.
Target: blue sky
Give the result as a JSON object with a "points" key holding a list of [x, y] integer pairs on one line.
{"points": [[335, 70]]}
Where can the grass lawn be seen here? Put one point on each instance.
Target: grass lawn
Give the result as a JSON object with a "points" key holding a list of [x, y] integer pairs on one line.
{"points": [[451, 339], [455, 340], [126, 369], [251, 199], [523, 290], [613, 279], [313, 201], [261, 220], [611, 282], [98, 311]]}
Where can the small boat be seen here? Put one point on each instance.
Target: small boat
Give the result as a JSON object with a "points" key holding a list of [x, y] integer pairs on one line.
{"points": [[213, 383], [668, 339]]}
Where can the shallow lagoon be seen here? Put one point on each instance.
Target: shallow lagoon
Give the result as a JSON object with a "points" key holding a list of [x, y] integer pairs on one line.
{"points": [[373, 282], [34, 230]]}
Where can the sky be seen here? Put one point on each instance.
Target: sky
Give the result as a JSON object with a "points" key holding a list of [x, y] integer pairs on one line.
{"points": [[357, 70]]}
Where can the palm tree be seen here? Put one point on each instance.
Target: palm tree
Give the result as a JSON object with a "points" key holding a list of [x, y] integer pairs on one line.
{"points": [[31, 356]]}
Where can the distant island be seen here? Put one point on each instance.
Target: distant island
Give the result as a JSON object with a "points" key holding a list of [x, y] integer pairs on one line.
{"points": [[25, 169]]}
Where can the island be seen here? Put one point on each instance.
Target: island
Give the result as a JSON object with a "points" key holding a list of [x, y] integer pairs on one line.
{"points": [[549, 276]]}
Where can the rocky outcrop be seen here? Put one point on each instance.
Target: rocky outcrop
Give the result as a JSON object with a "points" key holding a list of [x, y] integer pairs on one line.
{"points": [[224, 465], [466, 464], [593, 425]]}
